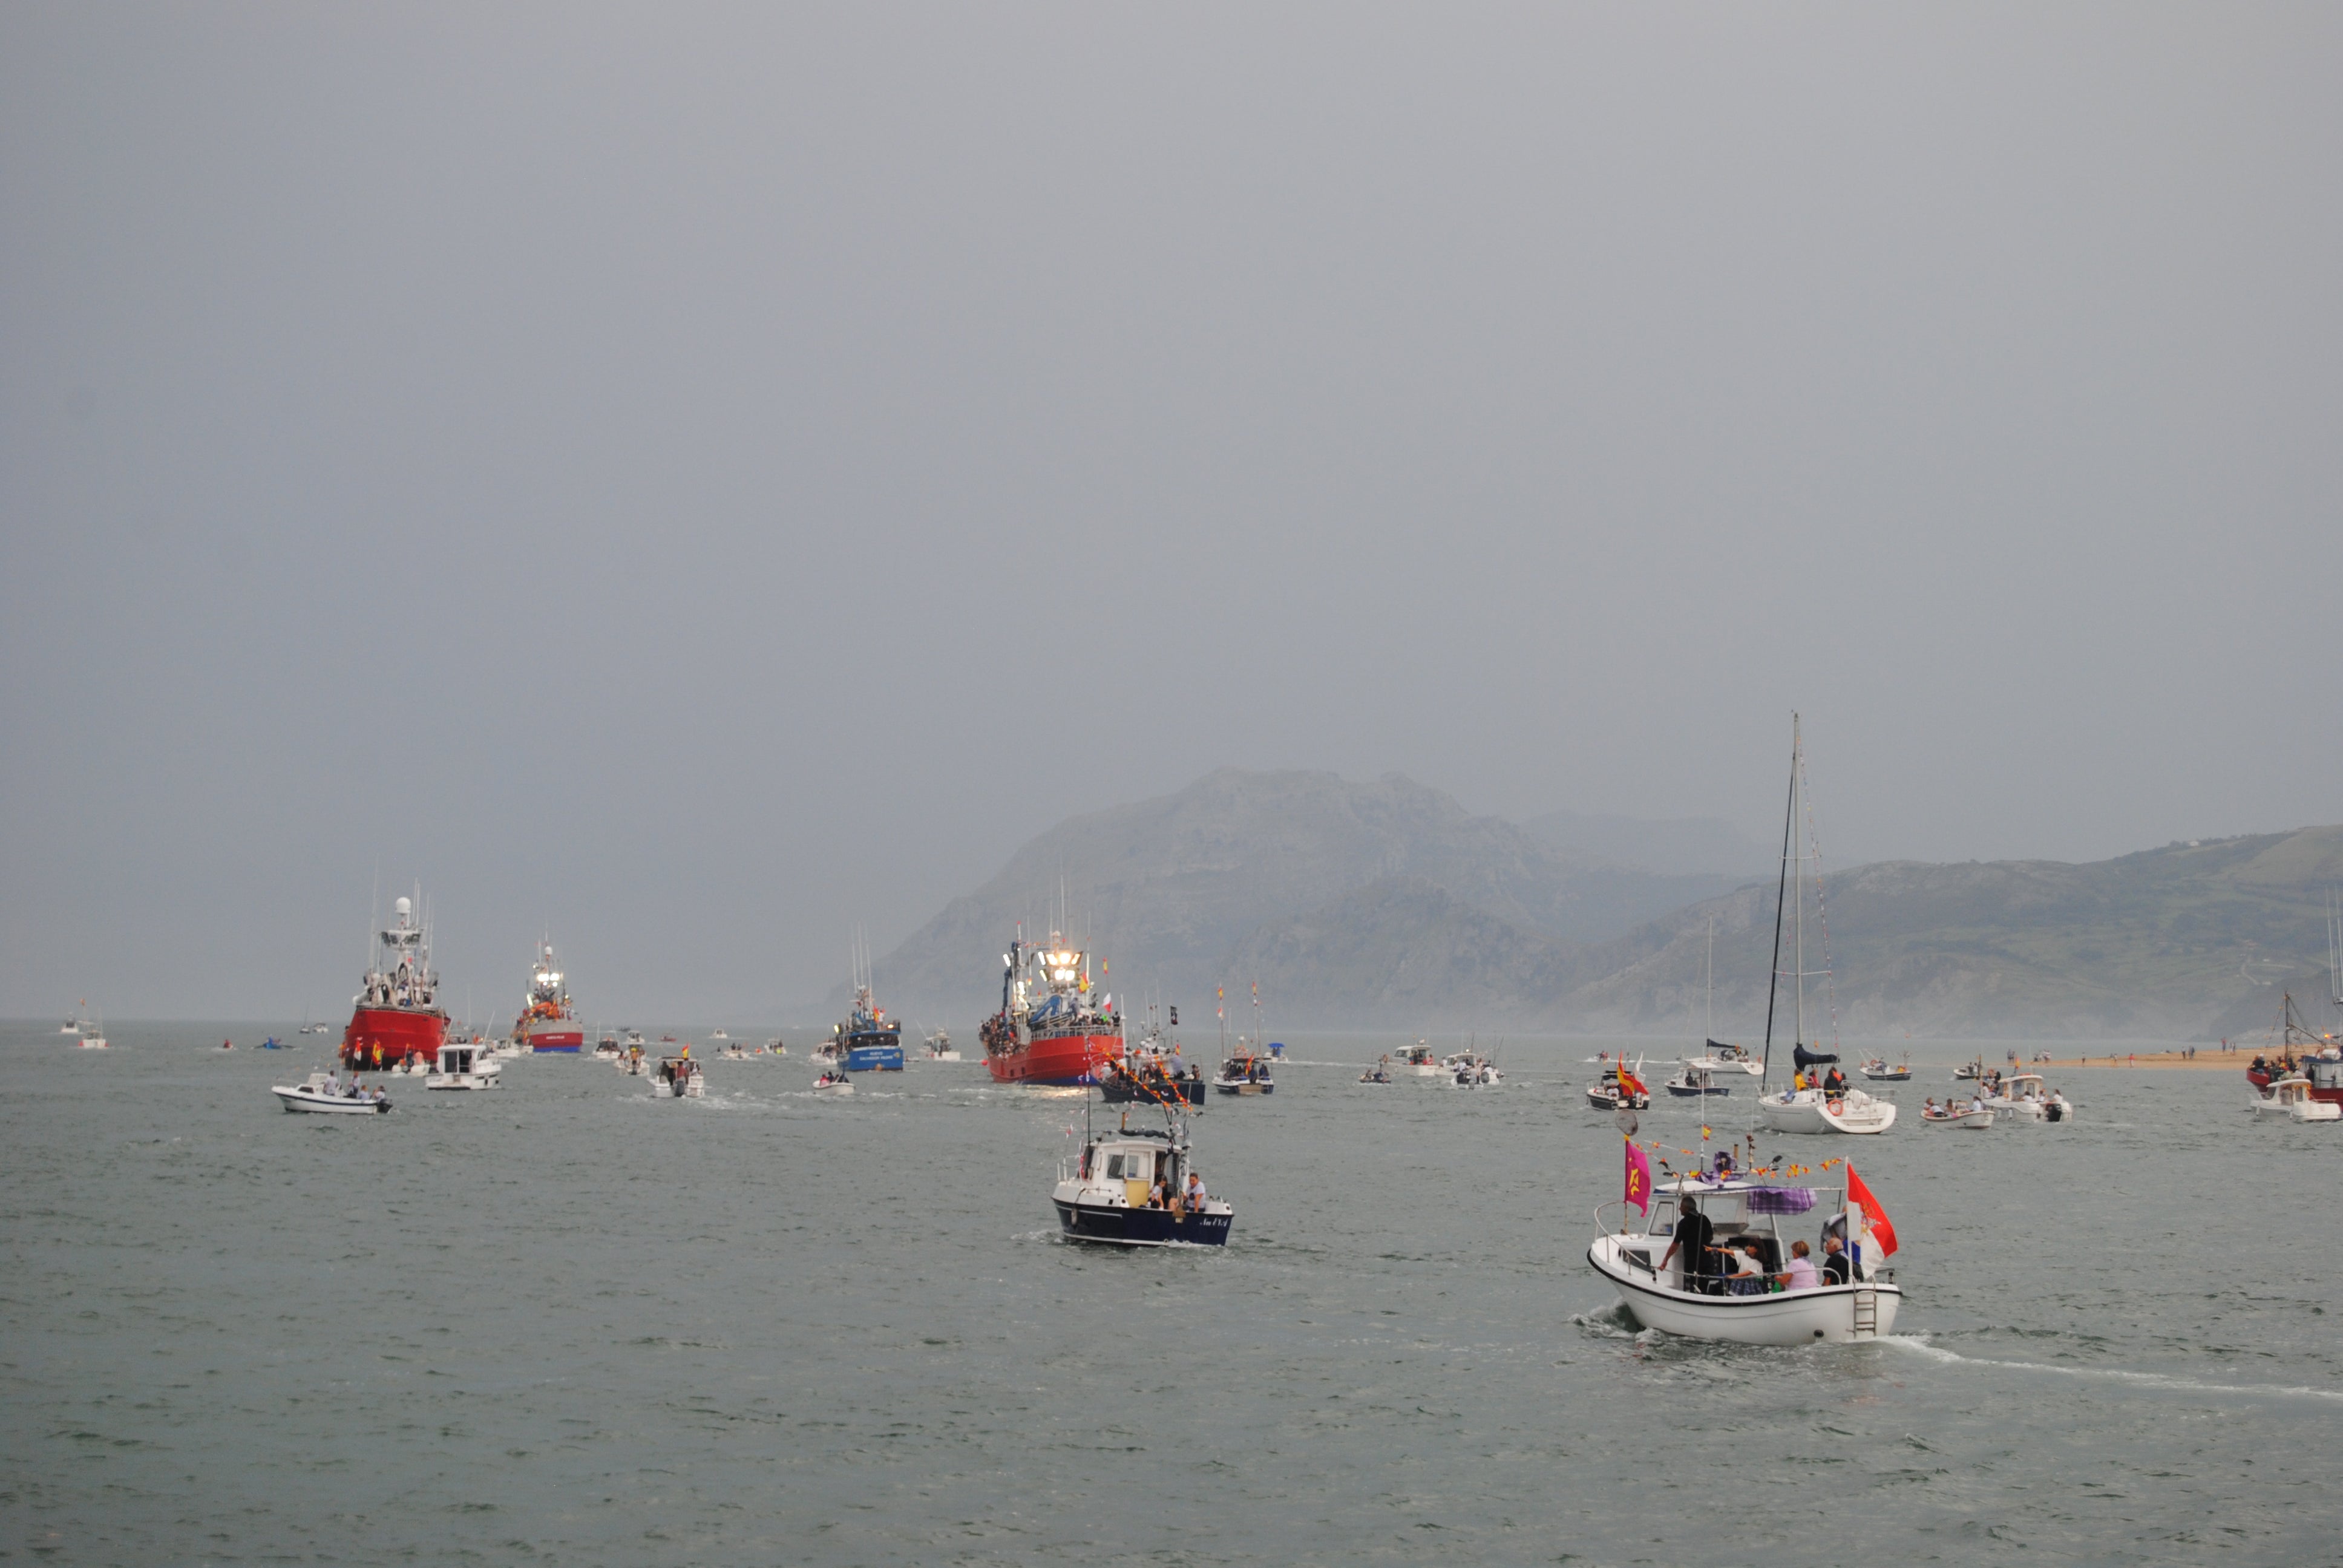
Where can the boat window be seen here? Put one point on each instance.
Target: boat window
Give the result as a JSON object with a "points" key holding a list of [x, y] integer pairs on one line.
{"points": [[1663, 1219], [1114, 1167]]}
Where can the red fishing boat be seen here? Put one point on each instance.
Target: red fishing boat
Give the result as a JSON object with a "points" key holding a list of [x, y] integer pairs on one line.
{"points": [[547, 1021], [396, 1017], [1052, 1025], [2302, 1053]]}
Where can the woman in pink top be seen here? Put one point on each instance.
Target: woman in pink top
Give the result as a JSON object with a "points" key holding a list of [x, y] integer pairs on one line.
{"points": [[1800, 1275]]}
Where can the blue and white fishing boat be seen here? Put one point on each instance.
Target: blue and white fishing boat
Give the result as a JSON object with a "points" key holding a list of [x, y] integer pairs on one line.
{"points": [[869, 1041]]}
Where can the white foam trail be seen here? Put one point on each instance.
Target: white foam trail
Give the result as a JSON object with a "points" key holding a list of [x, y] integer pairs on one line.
{"points": [[2113, 1374]]}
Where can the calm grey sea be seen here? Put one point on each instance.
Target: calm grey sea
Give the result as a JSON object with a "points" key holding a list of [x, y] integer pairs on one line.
{"points": [[562, 1323]]}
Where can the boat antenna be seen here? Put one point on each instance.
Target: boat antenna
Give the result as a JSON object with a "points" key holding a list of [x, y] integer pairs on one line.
{"points": [[1774, 982]]}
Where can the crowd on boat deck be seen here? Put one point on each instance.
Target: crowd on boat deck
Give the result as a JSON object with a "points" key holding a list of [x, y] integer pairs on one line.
{"points": [[1751, 1264], [1831, 1082]]}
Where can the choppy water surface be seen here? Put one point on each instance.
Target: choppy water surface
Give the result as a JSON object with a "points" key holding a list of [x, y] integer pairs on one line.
{"points": [[563, 1323]]}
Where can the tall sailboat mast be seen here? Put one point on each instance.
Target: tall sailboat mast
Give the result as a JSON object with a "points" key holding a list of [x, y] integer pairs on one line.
{"points": [[1798, 874]]}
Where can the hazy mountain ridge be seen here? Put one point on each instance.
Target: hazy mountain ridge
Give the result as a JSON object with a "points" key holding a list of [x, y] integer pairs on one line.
{"points": [[2186, 942], [1169, 892], [1387, 904]]}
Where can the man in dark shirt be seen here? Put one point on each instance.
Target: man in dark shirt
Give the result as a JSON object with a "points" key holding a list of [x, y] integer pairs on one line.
{"points": [[1835, 1265], [1692, 1233]]}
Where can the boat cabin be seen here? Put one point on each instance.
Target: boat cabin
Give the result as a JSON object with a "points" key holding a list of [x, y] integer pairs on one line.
{"points": [[456, 1061], [1122, 1168]]}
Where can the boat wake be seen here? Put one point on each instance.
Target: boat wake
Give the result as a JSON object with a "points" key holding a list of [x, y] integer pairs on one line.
{"points": [[1920, 1346]]}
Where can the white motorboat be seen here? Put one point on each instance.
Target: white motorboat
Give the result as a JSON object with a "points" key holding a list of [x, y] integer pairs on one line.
{"points": [[1875, 1068], [1620, 1088], [1419, 1059], [1660, 1291], [2023, 1097], [1695, 1079], [733, 1053], [833, 1083], [719, 1035], [464, 1065], [678, 1077], [324, 1094], [940, 1046], [1470, 1069], [776, 1048], [92, 1039], [2291, 1098]]}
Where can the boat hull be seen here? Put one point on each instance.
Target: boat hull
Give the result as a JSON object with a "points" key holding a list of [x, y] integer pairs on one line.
{"points": [[1809, 1112], [1832, 1314], [1058, 1059], [380, 1037], [296, 1099], [1124, 1227], [872, 1059], [1682, 1092], [1972, 1119], [561, 1036], [1117, 1089]]}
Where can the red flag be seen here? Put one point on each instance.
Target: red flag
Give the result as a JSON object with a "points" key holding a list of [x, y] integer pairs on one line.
{"points": [[1639, 1178], [1874, 1217]]}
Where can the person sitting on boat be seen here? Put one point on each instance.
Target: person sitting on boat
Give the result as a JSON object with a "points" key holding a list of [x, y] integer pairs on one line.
{"points": [[1837, 1270], [1930, 1108], [1799, 1275], [1157, 1195], [1747, 1279]]}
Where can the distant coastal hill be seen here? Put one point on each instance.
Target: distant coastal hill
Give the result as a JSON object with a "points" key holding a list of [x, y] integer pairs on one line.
{"points": [[1388, 905]]}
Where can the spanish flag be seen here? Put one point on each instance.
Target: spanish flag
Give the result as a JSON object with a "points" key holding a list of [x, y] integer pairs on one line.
{"points": [[1630, 1083]]}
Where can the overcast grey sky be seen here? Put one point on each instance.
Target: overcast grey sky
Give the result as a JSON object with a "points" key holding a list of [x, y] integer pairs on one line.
{"points": [[697, 478]]}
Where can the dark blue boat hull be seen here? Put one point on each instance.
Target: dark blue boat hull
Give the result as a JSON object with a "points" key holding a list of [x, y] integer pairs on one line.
{"points": [[1142, 1227], [1682, 1093]]}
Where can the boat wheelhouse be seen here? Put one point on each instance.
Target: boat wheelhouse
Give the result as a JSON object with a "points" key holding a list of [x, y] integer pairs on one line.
{"points": [[1420, 1059], [1695, 1079], [465, 1064], [1752, 1224]]}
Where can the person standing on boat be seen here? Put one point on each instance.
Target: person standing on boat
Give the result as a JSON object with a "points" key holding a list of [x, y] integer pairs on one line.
{"points": [[1693, 1234], [1195, 1192]]}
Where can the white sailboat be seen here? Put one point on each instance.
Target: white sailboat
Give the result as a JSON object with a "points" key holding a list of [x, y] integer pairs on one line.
{"points": [[1835, 1106]]}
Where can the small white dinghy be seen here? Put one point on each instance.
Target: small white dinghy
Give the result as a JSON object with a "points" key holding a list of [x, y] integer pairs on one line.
{"points": [[1956, 1116], [833, 1083], [1744, 1224], [465, 1066], [2291, 1098], [325, 1094]]}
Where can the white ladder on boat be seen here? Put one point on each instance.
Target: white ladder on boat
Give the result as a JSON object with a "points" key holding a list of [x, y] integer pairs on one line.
{"points": [[1867, 1314]]}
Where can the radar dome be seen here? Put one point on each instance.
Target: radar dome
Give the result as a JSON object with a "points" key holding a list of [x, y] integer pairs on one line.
{"points": [[404, 908]]}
